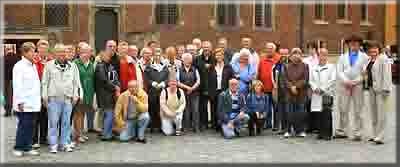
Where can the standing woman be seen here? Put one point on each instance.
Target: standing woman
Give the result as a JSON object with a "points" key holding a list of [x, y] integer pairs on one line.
{"points": [[172, 62], [322, 83], [219, 76], [379, 84], [244, 71], [156, 76]]}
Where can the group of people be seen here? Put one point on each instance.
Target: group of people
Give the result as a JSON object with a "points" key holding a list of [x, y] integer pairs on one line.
{"points": [[189, 88]]}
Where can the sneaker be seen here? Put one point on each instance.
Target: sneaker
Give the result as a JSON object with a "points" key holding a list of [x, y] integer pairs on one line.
{"points": [[53, 149], [73, 145], [302, 134], [287, 135], [36, 146], [85, 137], [18, 153], [68, 148], [82, 140], [357, 138], [143, 141], [178, 133], [33, 153]]}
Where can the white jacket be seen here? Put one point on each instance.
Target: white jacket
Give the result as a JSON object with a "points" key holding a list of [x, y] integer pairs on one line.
{"points": [[323, 78], [345, 72], [381, 74], [26, 86]]}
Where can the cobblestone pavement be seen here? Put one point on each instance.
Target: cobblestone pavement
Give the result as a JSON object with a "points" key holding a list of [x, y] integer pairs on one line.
{"points": [[210, 147]]}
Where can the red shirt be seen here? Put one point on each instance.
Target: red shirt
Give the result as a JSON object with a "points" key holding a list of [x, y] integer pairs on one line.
{"points": [[39, 65], [127, 73], [265, 71]]}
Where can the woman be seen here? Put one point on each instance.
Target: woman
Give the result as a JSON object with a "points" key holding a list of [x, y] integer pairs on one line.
{"points": [[127, 68], [378, 82], [322, 83], [244, 71], [172, 101], [256, 105], [156, 75], [173, 63], [219, 76], [297, 77]]}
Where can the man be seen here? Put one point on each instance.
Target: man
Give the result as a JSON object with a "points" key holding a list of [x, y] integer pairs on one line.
{"points": [[204, 64], [232, 110], [26, 100], [60, 91], [265, 76], [192, 50], [127, 70], [107, 90], [143, 63], [85, 106], [189, 80], [228, 52], [133, 52], [253, 57], [279, 90], [198, 43], [180, 50], [10, 59], [40, 118], [349, 71], [111, 46], [131, 114]]}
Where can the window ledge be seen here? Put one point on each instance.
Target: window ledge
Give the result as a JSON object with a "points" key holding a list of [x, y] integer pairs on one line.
{"points": [[266, 29], [344, 21], [366, 23], [320, 22]]}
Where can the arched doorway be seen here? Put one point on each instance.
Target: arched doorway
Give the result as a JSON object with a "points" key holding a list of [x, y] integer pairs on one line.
{"points": [[106, 27]]}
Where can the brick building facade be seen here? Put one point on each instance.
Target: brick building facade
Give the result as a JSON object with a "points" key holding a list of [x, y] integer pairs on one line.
{"points": [[175, 24]]}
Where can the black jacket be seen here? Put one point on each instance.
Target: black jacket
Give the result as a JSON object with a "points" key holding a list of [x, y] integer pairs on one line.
{"points": [[227, 74], [228, 54], [152, 75], [106, 80], [200, 64], [115, 62]]}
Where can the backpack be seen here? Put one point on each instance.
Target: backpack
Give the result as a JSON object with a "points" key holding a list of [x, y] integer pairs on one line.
{"points": [[178, 93]]}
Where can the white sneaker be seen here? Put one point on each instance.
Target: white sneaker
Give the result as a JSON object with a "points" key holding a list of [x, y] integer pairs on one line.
{"points": [[82, 140], [33, 153], [303, 134], [53, 149], [85, 137], [68, 148], [18, 153], [287, 135], [36, 146], [73, 144]]}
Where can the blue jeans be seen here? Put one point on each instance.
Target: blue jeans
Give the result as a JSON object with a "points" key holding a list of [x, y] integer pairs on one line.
{"points": [[296, 117], [108, 123], [132, 125], [59, 110], [237, 124], [268, 112], [23, 140]]}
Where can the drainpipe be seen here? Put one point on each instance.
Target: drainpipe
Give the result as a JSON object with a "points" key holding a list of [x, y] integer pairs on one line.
{"points": [[301, 25]]}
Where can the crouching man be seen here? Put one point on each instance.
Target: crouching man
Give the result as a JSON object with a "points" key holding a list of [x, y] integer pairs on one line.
{"points": [[232, 110], [131, 115]]}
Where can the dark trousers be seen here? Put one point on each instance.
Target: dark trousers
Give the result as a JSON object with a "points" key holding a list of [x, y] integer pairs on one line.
{"points": [[40, 121], [255, 122], [204, 111], [154, 111], [311, 124], [325, 123], [214, 110], [296, 117], [23, 141], [281, 115], [270, 116], [8, 96]]}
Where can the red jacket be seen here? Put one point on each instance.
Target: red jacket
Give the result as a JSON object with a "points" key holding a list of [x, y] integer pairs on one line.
{"points": [[265, 71], [39, 66], [127, 73]]}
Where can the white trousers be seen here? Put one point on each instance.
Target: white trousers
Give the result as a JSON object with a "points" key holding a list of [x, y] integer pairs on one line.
{"points": [[167, 124], [377, 114]]}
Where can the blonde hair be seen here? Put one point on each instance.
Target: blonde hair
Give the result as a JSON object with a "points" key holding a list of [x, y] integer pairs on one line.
{"points": [[59, 47], [27, 46], [256, 83], [219, 51]]}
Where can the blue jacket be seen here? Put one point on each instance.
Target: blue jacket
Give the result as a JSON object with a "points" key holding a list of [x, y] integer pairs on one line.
{"points": [[245, 76], [256, 104]]}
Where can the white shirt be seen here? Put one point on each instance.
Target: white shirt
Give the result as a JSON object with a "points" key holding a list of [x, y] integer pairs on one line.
{"points": [[323, 78], [219, 70], [26, 86]]}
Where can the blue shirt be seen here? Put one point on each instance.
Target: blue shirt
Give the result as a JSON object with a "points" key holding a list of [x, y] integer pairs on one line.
{"points": [[256, 103], [353, 57]]}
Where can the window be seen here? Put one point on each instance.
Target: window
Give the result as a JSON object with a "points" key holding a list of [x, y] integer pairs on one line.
{"points": [[227, 14], [364, 10], [166, 13], [57, 15], [263, 14], [342, 10], [319, 11]]}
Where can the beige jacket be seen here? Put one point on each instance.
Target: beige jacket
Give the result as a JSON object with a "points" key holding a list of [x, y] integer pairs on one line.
{"points": [[381, 74]]}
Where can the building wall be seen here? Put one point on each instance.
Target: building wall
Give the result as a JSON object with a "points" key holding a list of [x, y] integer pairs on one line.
{"points": [[390, 23], [199, 21]]}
